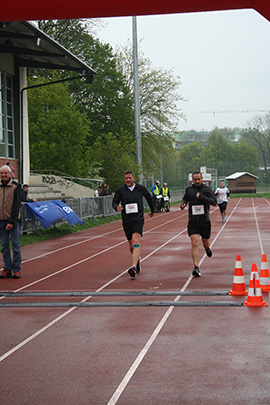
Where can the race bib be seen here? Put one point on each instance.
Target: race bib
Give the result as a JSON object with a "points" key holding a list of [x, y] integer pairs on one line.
{"points": [[166, 198], [197, 209], [131, 208]]}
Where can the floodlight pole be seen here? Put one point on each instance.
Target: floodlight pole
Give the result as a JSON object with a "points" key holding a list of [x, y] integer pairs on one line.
{"points": [[137, 98]]}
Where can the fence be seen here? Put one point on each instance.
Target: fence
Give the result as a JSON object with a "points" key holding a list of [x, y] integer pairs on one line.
{"points": [[86, 208]]}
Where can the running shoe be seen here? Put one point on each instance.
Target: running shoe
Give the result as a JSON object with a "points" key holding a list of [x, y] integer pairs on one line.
{"points": [[17, 274], [138, 267], [132, 271], [196, 272], [6, 274], [209, 252]]}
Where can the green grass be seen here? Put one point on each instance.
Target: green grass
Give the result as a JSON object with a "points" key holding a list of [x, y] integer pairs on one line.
{"points": [[251, 195]]}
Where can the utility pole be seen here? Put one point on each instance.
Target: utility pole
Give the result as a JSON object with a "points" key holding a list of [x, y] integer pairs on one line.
{"points": [[137, 98]]}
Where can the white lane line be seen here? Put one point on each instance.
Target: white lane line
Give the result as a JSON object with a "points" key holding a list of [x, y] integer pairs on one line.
{"points": [[90, 239], [30, 338], [121, 387], [257, 227]]}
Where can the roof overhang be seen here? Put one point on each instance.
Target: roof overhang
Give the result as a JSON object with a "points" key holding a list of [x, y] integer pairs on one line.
{"points": [[65, 9], [33, 48]]}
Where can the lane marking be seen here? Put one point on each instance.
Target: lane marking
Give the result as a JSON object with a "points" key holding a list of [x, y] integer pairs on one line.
{"points": [[118, 392], [90, 239], [20, 345], [257, 227]]}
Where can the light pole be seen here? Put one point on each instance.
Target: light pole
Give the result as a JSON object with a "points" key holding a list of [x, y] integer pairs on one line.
{"points": [[137, 98]]}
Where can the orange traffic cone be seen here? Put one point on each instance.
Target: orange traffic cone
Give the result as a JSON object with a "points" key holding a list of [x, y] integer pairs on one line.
{"points": [[264, 275], [239, 287], [254, 298]]}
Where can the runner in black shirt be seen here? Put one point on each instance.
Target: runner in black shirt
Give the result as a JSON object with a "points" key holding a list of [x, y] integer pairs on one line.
{"points": [[199, 196], [128, 200]]}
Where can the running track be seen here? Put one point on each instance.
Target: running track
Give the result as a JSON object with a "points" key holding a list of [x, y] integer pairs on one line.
{"points": [[145, 354]]}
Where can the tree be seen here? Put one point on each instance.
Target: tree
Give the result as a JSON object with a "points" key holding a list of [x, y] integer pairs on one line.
{"points": [[258, 134], [114, 154], [218, 152], [57, 130], [159, 112], [106, 102], [244, 158], [190, 159]]}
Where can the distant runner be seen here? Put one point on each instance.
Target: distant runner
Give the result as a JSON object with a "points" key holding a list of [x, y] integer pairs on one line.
{"points": [[223, 194]]}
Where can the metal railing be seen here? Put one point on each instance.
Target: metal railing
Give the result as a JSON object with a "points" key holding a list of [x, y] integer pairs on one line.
{"points": [[86, 208]]}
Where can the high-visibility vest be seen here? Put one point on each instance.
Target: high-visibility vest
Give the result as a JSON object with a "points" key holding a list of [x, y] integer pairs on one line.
{"points": [[156, 190], [165, 191]]}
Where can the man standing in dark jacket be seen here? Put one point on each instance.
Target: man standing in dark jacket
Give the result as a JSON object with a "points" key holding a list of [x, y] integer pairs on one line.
{"points": [[199, 196], [128, 200], [10, 201]]}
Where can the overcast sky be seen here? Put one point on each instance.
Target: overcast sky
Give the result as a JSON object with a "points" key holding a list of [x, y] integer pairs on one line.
{"points": [[222, 58]]}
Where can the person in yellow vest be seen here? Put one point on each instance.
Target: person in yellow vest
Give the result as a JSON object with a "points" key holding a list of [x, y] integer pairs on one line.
{"points": [[156, 191], [165, 192]]}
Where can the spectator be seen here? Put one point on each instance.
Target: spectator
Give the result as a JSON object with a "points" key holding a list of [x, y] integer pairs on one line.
{"points": [[12, 170], [166, 196], [155, 190], [24, 194], [105, 190], [98, 191], [10, 201]]}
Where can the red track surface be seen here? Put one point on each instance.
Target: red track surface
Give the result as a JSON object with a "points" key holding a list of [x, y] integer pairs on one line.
{"points": [[141, 354]]}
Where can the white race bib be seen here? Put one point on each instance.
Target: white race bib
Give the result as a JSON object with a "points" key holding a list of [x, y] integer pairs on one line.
{"points": [[131, 208], [166, 198], [197, 209]]}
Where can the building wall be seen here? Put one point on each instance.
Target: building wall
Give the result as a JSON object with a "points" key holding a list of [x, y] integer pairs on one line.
{"points": [[243, 184]]}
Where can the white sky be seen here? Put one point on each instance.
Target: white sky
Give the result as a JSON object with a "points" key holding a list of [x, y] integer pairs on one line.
{"points": [[222, 58]]}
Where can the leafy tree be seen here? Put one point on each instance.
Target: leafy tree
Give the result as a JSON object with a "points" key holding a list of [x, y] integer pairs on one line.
{"points": [[258, 134], [159, 112], [218, 152], [244, 158], [106, 102], [57, 130], [114, 154], [190, 158]]}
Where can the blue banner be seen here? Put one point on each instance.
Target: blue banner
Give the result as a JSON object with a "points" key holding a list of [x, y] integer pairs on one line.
{"points": [[48, 212]]}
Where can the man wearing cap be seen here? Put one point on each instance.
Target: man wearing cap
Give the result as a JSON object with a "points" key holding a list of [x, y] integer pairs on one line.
{"points": [[10, 201]]}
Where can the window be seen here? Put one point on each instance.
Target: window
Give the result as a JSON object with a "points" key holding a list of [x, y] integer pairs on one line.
{"points": [[6, 117]]}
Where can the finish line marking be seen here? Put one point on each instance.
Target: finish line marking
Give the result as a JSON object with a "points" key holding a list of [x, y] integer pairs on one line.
{"points": [[122, 304], [109, 293]]}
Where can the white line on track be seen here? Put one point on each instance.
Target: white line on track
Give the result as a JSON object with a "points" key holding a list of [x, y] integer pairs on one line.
{"points": [[143, 352], [118, 392], [257, 226], [30, 338]]}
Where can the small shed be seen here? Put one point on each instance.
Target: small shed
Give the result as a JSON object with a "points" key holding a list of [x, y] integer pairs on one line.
{"points": [[242, 182]]}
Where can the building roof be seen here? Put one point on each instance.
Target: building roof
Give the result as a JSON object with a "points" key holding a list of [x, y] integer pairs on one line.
{"points": [[240, 174], [33, 48]]}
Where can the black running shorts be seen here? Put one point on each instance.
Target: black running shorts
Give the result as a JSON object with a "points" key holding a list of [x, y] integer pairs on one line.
{"points": [[223, 206], [133, 227], [203, 229]]}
